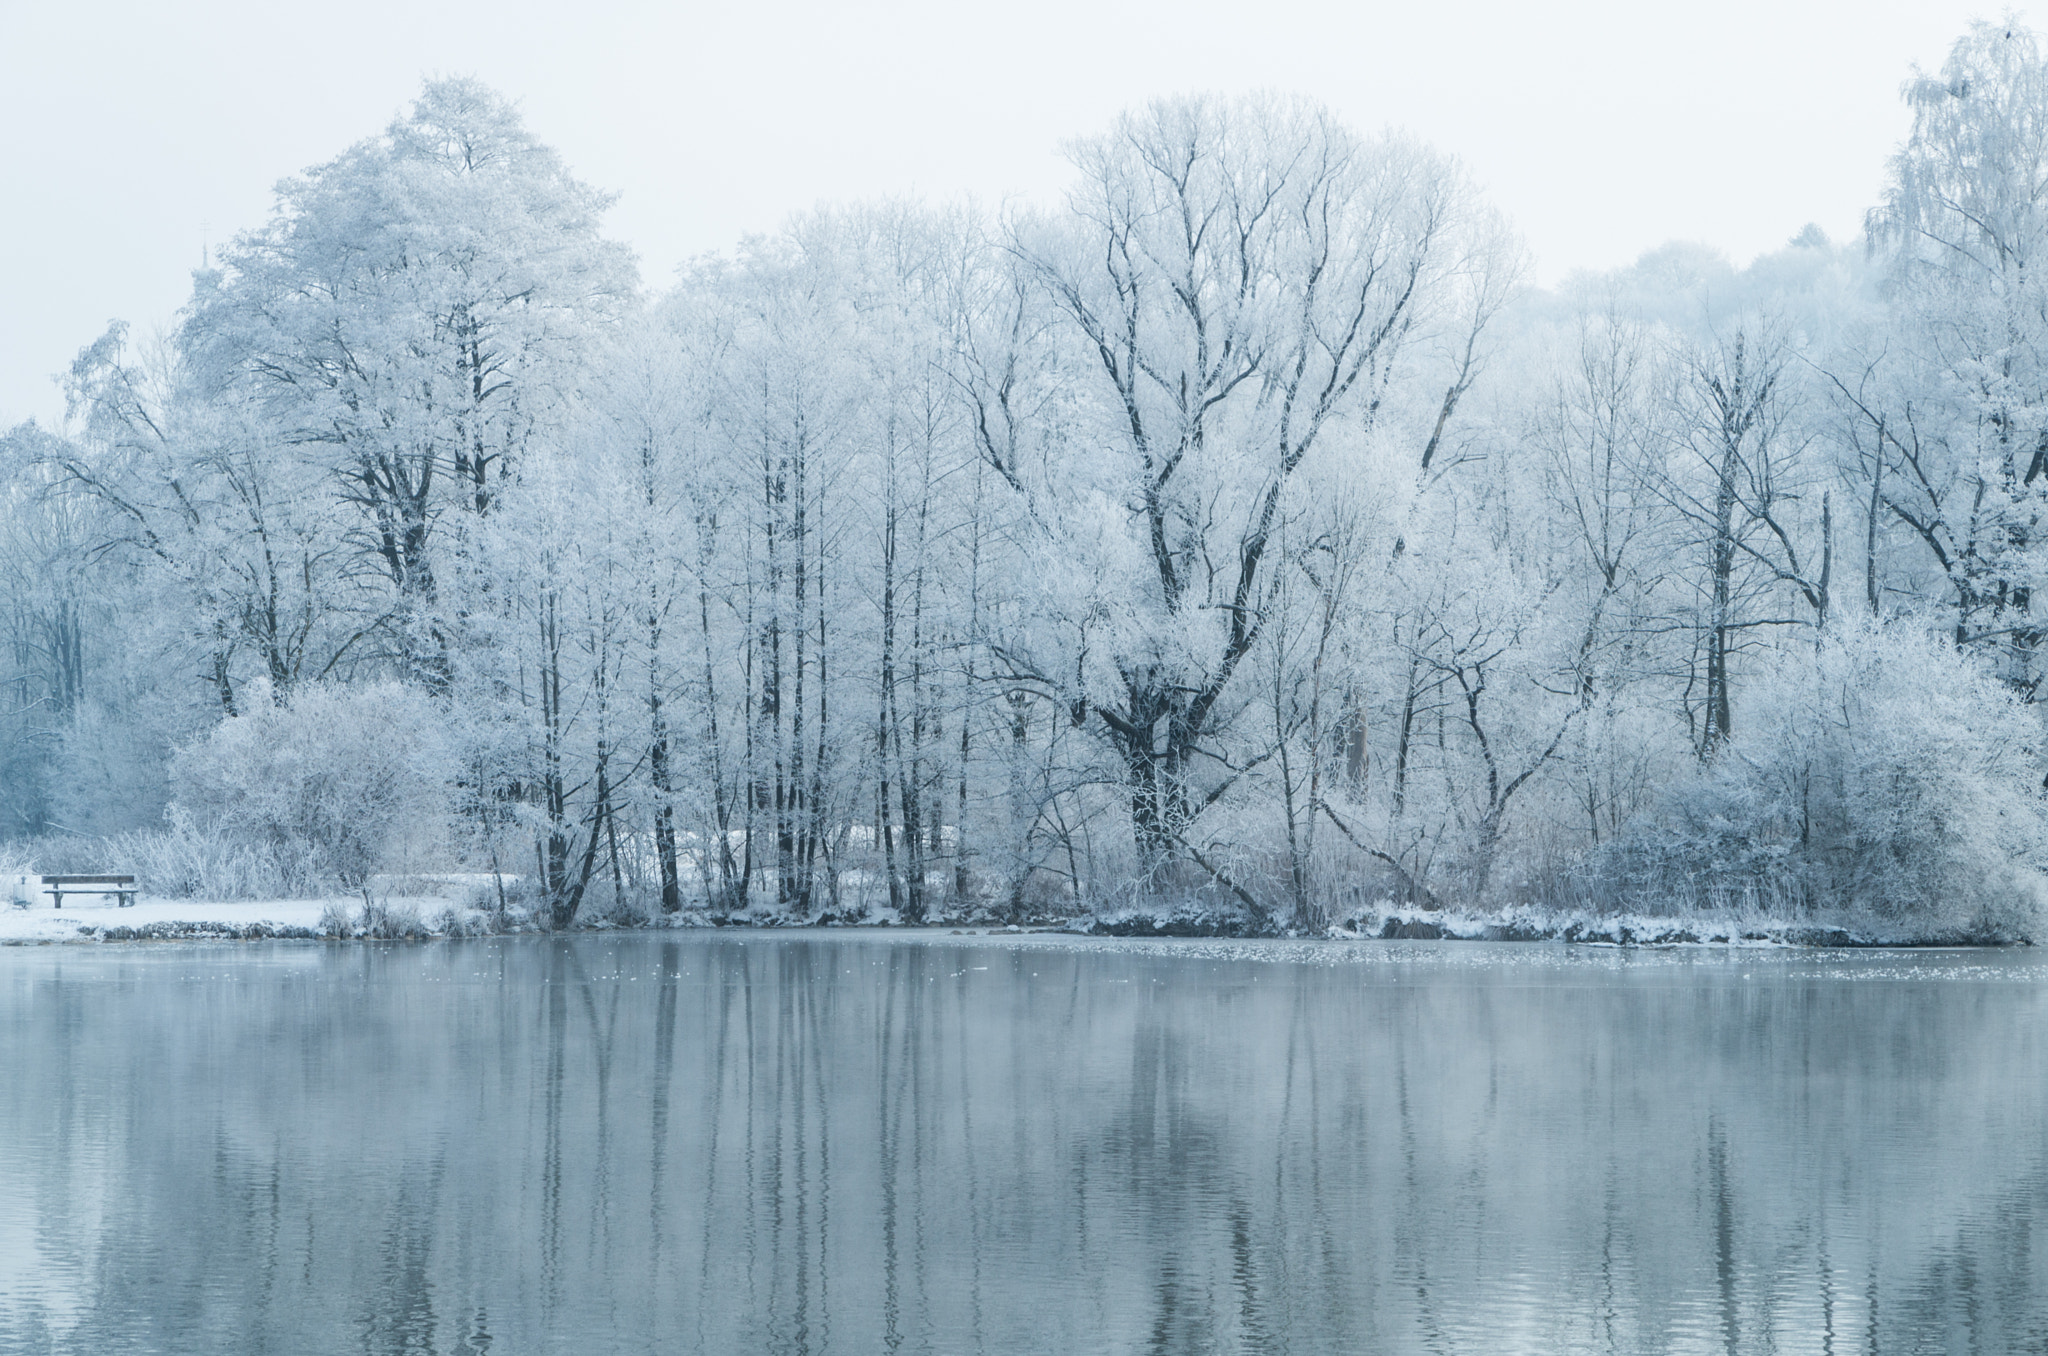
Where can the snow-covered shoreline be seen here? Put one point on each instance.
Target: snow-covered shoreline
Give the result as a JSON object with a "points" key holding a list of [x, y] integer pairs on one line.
{"points": [[426, 917], [90, 920]]}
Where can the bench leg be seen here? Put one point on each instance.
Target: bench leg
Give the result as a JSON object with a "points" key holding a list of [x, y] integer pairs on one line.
{"points": [[58, 896]]}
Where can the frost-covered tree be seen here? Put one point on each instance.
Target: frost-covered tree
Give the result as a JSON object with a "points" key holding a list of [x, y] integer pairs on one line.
{"points": [[245, 534], [1235, 284], [413, 316], [1736, 482], [1964, 431], [1603, 428]]}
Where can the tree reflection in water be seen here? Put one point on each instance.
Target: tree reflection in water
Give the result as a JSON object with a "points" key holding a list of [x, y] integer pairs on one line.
{"points": [[856, 1143]]}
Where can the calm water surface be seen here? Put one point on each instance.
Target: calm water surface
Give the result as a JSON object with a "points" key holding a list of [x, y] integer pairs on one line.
{"points": [[860, 1143]]}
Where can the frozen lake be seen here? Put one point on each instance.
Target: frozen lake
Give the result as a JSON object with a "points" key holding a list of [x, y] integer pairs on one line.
{"points": [[860, 1143]]}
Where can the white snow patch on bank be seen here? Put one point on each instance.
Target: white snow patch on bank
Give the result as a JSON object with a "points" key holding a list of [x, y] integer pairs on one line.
{"points": [[434, 899], [41, 923]]}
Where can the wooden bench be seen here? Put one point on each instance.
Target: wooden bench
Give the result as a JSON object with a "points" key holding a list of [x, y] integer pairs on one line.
{"points": [[121, 887]]}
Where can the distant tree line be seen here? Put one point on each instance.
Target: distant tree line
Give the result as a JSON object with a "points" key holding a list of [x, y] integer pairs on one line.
{"points": [[1243, 532]]}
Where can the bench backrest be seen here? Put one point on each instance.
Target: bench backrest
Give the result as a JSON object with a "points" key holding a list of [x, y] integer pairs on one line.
{"points": [[88, 880]]}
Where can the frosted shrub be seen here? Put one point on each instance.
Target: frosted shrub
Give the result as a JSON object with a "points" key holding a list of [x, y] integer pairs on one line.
{"points": [[192, 860], [454, 922], [391, 922], [349, 774], [1881, 778]]}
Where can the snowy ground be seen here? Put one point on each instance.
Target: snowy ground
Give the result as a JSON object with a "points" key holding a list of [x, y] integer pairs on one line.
{"points": [[90, 920], [432, 904], [41, 923], [93, 918]]}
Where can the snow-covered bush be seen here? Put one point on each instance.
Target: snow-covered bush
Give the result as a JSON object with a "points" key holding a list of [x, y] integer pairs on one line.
{"points": [[400, 922], [355, 775], [1881, 777], [192, 860]]}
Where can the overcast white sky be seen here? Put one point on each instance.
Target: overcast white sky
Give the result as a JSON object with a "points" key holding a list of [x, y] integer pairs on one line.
{"points": [[131, 128]]}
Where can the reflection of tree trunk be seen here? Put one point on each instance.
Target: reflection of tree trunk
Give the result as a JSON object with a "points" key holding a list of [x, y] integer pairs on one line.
{"points": [[553, 1102], [1725, 1264], [667, 975]]}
